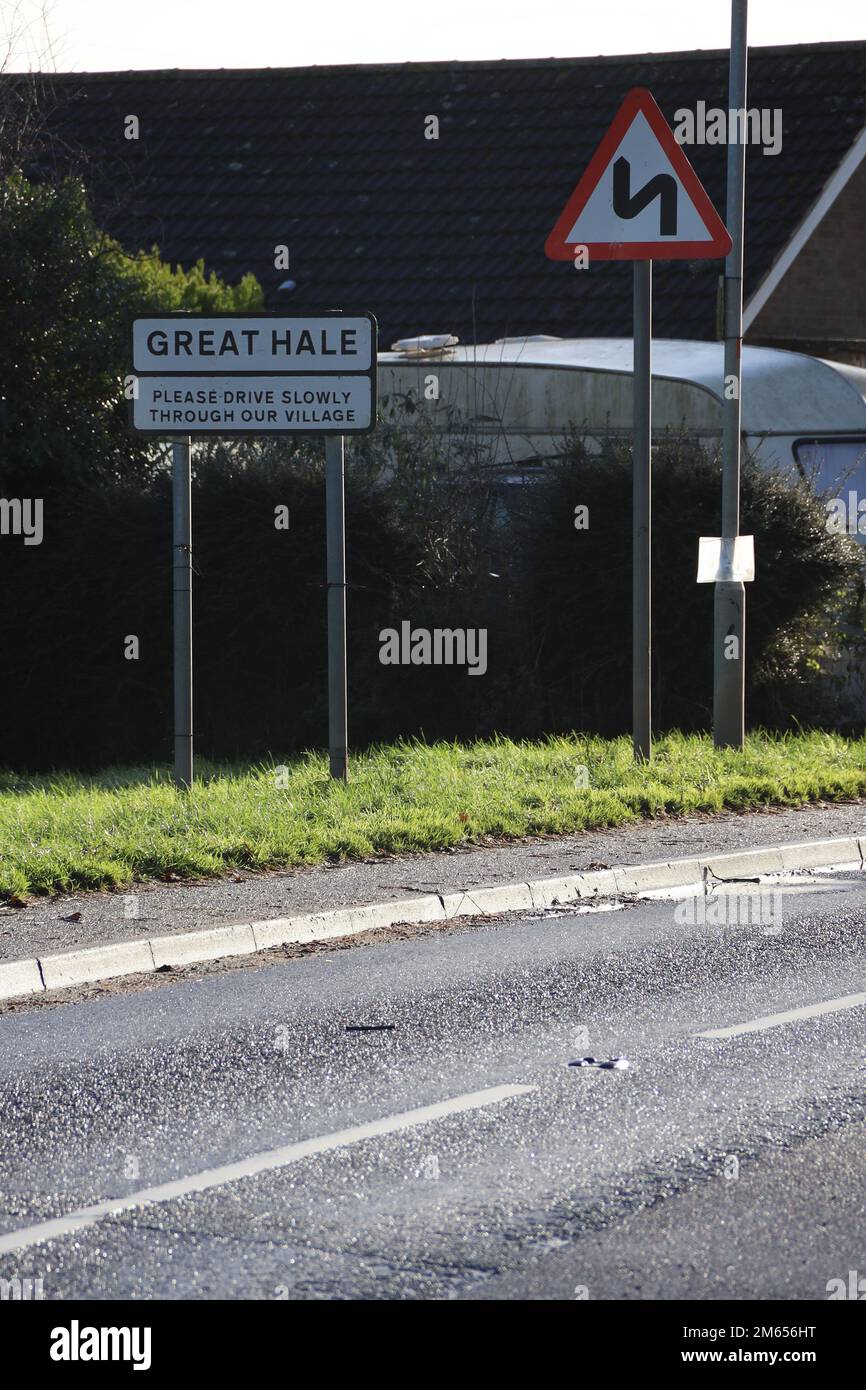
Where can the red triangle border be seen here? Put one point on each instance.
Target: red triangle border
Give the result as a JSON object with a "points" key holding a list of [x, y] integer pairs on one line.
{"points": [[556, 248]]}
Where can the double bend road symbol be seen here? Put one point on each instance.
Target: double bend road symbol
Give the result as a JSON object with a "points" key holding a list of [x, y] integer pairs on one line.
{"points": [[627, 205]]}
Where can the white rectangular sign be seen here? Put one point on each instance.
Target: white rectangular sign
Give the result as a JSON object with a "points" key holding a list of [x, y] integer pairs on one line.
{"points": [[254, 343], [254, 404], [731, 558]]}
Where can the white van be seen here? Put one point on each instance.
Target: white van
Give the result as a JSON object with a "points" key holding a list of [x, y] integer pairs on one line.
{"points": [[520, 395]]}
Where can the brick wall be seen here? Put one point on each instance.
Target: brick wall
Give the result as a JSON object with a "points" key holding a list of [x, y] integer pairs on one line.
{"points": [[819, 305]]}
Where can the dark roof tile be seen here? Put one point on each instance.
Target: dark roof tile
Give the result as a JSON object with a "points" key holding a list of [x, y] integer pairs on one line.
{"points": [[448, 234]]}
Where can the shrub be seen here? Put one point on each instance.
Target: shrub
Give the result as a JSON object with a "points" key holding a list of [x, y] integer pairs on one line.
{"points": [[575, 588], [68, 294]]}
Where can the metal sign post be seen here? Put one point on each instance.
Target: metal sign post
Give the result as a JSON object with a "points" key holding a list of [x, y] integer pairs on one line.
{"points": [[335, 508], [181, 494], [642, 514], [250, 374], [639, 200], [729, 607]]}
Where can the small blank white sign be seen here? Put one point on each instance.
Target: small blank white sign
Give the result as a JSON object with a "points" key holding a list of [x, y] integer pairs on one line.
{"points": [[726, 558]]}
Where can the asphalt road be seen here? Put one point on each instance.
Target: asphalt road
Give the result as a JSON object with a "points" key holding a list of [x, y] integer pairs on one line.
{"points": [[710, 1167]]}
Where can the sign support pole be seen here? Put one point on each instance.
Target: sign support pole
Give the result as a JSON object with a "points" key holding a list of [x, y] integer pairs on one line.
{"points": [[181, 491], [729, 617], [599, 221], [641, 513], [335, 507]]}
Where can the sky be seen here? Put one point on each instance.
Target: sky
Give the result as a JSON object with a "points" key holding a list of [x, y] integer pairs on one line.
{"points": [[109, 35]]}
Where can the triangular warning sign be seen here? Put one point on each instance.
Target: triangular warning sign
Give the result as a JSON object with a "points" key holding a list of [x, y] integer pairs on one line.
{"points": [[639, 198]]}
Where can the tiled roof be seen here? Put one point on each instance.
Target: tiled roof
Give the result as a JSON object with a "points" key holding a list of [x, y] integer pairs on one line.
{"points": [[448, 234]]}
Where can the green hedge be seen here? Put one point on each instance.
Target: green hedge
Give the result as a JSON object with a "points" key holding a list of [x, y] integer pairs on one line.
{"points": [[555, 601]]}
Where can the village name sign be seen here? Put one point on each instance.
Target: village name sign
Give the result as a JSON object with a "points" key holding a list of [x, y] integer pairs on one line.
{"points": [[235, 374], [254, 374]]}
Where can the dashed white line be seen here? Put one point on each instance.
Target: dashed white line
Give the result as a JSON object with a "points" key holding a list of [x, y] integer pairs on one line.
{"points": [[757, 1025], [256, 1163]]}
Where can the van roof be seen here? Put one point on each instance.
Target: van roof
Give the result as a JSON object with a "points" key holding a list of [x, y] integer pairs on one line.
{"points": [[783, 392]]}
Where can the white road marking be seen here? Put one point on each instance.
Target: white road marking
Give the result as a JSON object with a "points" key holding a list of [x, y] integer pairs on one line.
{"points": [[256, 1163], [757, 1025]]}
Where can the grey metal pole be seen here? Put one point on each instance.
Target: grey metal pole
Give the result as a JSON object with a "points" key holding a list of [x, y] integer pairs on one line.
{"points": [[335, 507], [641, 513], [729, 615], [181, 491]]}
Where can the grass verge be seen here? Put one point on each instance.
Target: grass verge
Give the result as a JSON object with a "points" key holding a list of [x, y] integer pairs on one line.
{"points": [[67, 832]]}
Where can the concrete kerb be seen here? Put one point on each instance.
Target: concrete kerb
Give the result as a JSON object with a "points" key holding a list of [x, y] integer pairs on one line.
{"points": [[824, 852], [96, 963], [572, 888], [324, 926], [19, 978], [185, 948], [486, 902]]}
